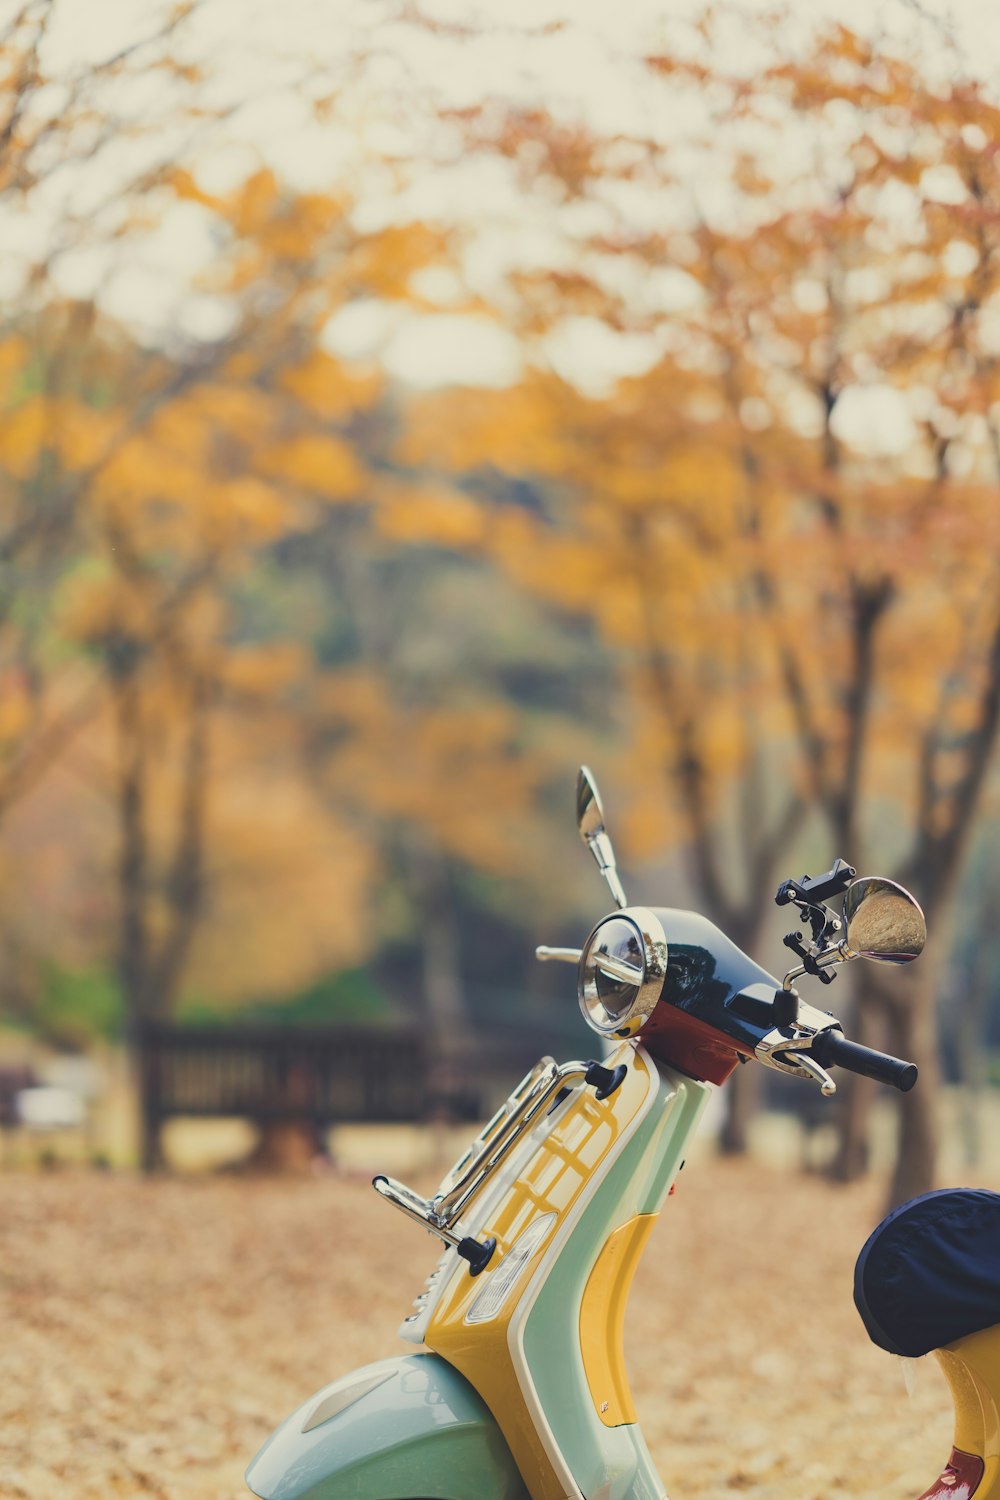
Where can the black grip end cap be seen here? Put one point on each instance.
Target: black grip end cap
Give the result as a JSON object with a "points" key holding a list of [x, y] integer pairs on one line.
{"points": [[907, 1078]]}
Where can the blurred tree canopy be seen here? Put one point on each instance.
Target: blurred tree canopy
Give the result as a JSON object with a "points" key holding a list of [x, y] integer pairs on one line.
{"points": [[796, 592], [296, 662]]}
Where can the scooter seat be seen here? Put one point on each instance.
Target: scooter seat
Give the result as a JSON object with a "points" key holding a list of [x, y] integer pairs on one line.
{"points": [[930, 1272]]}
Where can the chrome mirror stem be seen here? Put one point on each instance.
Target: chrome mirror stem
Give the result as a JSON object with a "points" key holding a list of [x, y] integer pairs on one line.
{"points": [[600, 848], [838, 954], [590, 821]]}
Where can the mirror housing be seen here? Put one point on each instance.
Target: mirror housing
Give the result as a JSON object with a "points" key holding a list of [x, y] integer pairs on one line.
{"points": [[884, 922]]}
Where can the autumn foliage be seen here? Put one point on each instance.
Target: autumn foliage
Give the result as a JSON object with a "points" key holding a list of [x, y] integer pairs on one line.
{"points": [[743, 491]]}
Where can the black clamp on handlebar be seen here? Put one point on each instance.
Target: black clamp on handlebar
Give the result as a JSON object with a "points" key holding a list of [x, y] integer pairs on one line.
{"points": [[794, 941]]}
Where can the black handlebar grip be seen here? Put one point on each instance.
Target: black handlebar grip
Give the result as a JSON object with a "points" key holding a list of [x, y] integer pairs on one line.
{"points": [[831, 1048]]}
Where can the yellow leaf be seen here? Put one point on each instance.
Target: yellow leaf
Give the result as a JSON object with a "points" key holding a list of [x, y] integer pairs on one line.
{"points": [[83, 435], [330, 391], [13, 358], [254, 202], [322, 465], [23, 434], [429, 513], [263, 671]]}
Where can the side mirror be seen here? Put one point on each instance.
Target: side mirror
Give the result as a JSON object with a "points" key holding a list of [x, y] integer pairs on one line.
{"points": [[884, 922], [590, 821]]}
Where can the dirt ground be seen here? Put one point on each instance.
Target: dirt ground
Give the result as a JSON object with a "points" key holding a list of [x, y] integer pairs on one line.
{"points": [[153, 1333]]}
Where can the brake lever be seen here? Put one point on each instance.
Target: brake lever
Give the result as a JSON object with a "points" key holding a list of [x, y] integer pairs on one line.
{"points": [[789, 1053], [819, 1075]]}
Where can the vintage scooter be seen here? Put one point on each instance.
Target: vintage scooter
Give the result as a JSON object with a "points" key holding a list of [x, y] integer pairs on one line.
{"points": [[517, 1385]]}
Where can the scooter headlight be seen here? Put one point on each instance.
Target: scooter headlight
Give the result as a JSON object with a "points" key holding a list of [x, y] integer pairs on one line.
{"points": [[622, 969]]}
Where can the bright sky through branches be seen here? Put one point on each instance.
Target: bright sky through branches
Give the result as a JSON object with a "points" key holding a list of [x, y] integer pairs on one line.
{"points": [[269, 67]]}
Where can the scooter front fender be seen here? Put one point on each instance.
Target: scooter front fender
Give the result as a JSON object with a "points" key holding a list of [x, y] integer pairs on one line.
{"points": [[411, 1428]]}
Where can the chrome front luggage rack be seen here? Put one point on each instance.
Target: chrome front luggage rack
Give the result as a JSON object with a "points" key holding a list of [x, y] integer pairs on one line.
{"points": [[524, 1107]]}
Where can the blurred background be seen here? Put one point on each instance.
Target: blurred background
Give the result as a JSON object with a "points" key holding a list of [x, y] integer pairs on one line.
{"points": [[401, 403], [399, 407]]}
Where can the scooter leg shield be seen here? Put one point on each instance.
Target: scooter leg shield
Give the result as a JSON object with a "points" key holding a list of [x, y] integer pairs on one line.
{"points": [[411, 1428]]}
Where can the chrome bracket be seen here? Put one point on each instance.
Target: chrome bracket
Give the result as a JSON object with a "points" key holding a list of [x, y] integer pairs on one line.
{"points": [[836, 953], [477, 1252], [523, 1109]]}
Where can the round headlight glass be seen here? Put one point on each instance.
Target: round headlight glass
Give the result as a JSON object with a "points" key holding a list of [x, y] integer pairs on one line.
{"points": [[621, 973]]}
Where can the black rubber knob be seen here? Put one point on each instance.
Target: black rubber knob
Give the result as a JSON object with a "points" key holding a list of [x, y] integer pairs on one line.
{"points": [[478, 1254], [603, 1080]]}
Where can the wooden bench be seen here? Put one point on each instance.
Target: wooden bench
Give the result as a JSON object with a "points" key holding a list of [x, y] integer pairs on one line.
{"points": [[327, 1075], [321, 1076]]}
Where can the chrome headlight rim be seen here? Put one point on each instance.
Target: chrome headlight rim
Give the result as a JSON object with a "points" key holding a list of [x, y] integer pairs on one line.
{"points": [[652, 942]]}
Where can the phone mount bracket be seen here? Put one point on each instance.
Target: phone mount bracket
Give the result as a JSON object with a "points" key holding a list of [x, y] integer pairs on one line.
{"points": [[809, 895]]}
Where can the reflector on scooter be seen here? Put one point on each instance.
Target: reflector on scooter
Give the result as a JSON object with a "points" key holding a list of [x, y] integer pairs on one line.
{"points": [[494, 1293]]}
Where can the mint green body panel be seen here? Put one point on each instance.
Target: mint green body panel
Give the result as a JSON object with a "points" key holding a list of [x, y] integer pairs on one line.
{"points": [[418, 1430], [419, 1433], [612, 1462]]}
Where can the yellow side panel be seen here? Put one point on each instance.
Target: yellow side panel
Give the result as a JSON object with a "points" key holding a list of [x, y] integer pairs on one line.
{"points": [[602, 1320], [972, 1368], [968, 1408], [551, 1182]]}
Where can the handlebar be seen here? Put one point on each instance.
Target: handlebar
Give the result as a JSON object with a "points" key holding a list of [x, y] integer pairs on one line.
{"points": [[831, 1048]]}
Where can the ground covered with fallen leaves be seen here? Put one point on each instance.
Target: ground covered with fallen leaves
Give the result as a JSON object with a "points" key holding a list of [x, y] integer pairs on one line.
{"points": [[154, 1332]]}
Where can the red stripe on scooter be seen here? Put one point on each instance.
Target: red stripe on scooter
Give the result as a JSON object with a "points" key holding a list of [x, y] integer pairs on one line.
{"points": [[959, 1479], [691, 1046]]}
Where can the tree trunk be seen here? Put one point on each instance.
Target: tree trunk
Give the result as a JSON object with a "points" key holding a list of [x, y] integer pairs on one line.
{"points": [[974, 984], [287, 1146], [742, 1099], [913, 1035], [449, 1086], [744, 1090], [973, 1072], [856, 1095], [917, 1146], [146, 1075], [150, 962]]}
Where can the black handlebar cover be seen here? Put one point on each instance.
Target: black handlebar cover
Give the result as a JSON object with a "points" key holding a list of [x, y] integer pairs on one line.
{"points": [[831, 1048]]}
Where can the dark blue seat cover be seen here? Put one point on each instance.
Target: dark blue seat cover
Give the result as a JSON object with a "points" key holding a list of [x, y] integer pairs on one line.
{"points": [[930, 1272]]}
